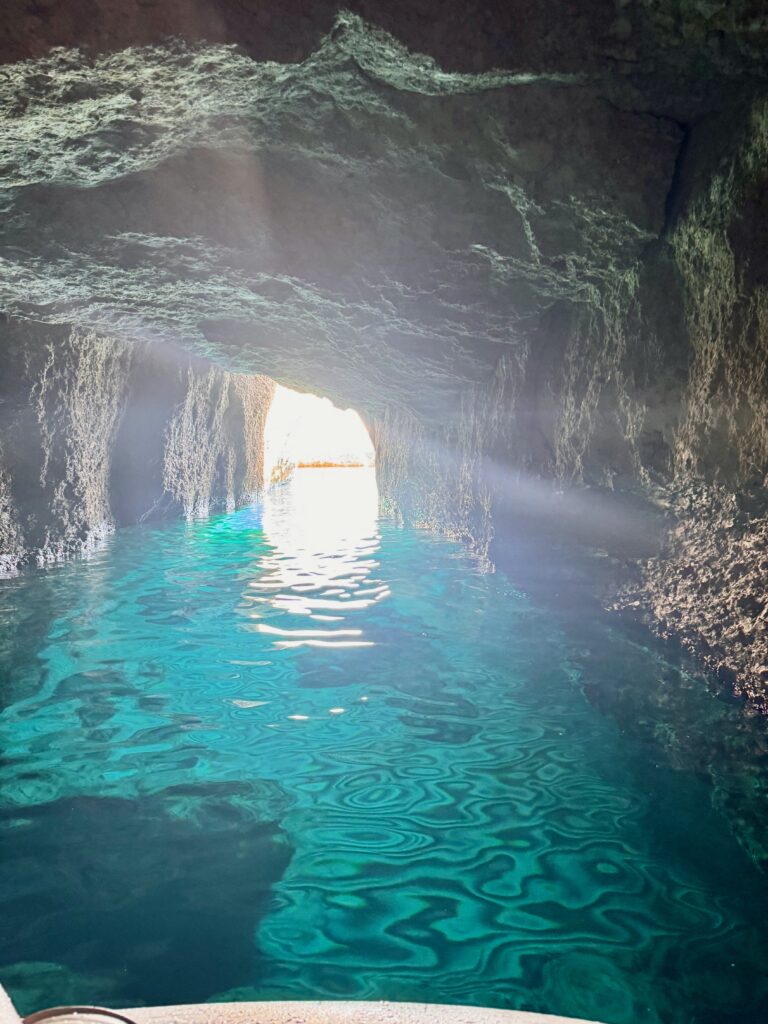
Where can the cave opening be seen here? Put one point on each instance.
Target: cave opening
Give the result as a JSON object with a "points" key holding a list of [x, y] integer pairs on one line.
{"points": [[319, 507], [306, 431], [454, 695]]}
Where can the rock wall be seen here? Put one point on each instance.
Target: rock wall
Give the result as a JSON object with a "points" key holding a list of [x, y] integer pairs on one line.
{"points": [[214, 445], [443, 478], [99, 432], [526, 241], [635, 423], [708, 585]]}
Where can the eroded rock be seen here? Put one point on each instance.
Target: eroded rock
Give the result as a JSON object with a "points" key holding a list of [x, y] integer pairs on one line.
{"points": [[527, 243], [99, 432]]}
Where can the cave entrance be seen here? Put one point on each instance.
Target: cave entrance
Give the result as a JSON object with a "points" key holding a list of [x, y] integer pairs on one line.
{"points": [[321, 503], [306, 432]]}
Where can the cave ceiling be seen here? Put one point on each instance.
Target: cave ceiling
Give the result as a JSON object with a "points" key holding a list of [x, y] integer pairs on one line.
{"points": [[367, 204]]}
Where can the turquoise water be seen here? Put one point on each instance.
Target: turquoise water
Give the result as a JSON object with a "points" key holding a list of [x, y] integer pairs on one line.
{"points": [[298, 752]]}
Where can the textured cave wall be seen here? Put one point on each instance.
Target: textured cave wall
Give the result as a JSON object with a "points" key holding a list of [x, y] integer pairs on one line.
{"points": [[527, 241], [361, 222], [98, 432], [669, 48], [651, 387], [708, 584], [444, 479]]}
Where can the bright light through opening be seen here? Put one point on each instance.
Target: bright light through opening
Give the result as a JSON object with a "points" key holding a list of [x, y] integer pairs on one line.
{"points": [[307, 431]]}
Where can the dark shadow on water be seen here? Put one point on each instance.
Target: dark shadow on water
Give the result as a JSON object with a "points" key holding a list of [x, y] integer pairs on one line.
{"points": [[149, 902]]}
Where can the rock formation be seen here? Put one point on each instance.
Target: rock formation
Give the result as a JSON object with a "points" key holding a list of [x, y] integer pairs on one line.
{"points": [[99, 432], [527, 242]]}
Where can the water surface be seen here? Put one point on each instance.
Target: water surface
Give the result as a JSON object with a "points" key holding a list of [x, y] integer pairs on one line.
{"points": [[297, 752]]}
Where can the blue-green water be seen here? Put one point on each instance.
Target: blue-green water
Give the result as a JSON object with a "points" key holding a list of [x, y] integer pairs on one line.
{"points": [[298, 752]]}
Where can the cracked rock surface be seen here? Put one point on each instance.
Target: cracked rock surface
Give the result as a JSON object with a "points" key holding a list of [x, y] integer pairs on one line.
{"points": [[528, 237]]}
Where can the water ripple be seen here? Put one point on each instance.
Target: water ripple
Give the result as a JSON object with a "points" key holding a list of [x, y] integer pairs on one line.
{"points": [[462, 825]]}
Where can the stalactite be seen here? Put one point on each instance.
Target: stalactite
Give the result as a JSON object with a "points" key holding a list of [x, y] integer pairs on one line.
{"points": [[79, 397], [100, 431], [195, 441], [215, 441], [255, 394]]}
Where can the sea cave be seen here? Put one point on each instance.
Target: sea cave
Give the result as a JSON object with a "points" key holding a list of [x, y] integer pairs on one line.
{"points": [[384, 511]]}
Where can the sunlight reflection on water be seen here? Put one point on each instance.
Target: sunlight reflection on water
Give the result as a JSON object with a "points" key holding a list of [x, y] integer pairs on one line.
{"points": [[323, 534]]}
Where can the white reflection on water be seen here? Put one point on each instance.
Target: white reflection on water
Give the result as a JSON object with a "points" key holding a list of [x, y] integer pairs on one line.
{"points": [[322, 528]]}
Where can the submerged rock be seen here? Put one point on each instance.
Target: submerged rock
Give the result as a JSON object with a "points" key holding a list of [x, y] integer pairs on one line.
{"points": [[153, 928]]}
